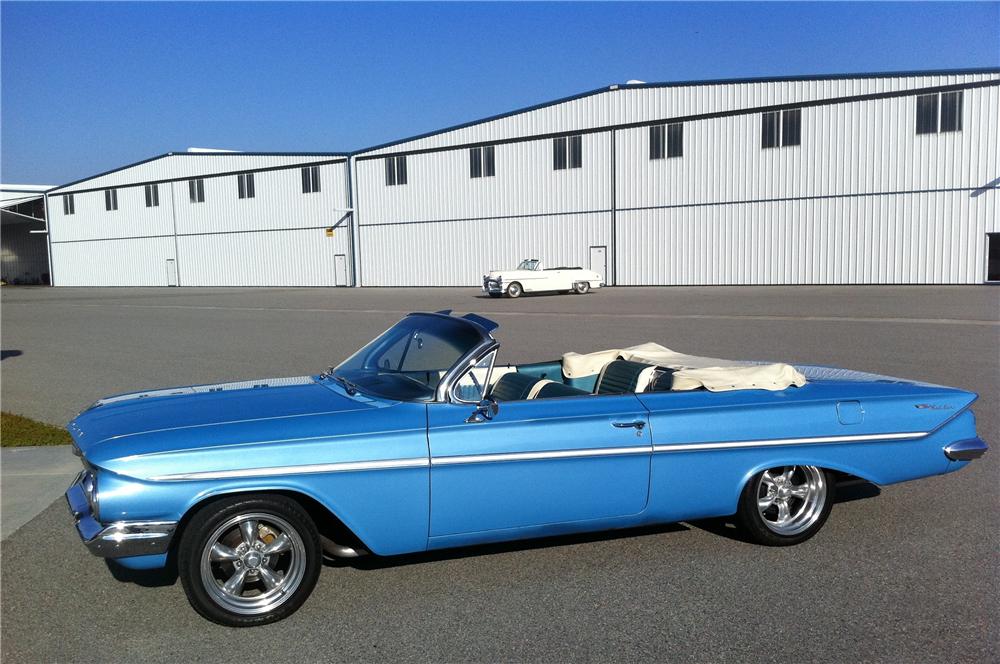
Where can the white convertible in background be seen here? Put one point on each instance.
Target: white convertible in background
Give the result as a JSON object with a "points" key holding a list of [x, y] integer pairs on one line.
{"points": [[531, 277]]}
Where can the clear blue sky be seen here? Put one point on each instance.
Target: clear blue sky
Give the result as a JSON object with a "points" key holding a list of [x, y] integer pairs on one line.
{"points": [[88, 87]]}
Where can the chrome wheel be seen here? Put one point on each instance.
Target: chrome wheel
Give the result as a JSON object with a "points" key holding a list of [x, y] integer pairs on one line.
{"points": [[790, 499], [253, 563]]}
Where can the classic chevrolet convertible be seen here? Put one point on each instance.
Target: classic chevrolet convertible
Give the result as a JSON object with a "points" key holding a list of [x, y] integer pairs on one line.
{"points": [[421, 440]]}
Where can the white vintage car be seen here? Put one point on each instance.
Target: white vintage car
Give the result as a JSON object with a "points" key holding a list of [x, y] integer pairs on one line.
{"points": [[531, 277]]}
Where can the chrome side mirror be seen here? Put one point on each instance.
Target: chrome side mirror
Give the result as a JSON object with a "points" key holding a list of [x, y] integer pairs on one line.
{"points": [[486, 410]]}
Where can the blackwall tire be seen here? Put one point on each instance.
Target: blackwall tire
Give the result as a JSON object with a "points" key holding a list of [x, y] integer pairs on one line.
{"points": [[249, 560], [786, 505]]}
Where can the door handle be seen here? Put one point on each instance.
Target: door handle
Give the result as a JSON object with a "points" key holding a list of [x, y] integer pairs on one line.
{"points": [[638, 424]]}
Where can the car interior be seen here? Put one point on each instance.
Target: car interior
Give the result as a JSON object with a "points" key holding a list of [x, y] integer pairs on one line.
{"points": [[545, 380]]}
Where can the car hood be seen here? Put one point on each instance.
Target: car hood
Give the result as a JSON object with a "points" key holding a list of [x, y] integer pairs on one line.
{"points": [[161, 420]]}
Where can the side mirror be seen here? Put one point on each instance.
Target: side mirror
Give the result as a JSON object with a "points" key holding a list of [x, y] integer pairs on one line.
{"points": [[485, 411]]}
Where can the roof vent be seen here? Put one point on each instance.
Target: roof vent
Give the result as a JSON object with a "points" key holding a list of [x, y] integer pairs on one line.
{"points": [[209, 150], [635, 81]]}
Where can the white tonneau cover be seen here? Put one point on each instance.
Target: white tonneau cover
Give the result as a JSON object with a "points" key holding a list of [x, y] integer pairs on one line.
{"points": [[692, 372]]}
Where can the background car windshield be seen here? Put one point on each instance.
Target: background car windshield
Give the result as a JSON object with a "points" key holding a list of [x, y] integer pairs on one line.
{"points": [[528, 264], [408, 360]]}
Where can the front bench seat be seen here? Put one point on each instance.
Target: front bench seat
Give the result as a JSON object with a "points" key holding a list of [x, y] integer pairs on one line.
{"points": [[513, 387], [624, 377], [552, 389]]}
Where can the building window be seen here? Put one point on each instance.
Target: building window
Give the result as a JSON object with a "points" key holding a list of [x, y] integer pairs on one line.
{"points": [[781, 128], [791, 127], [927, 114], [657, 141], [481, 162], [69, 206], [244, 185], [110, 199], [152, 195], [666, 140], [951, 111], [196, 190], [310, 179], [395, 170], [567, 152]]}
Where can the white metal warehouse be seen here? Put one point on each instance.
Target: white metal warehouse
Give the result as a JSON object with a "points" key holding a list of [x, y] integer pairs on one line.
{"points": [[856, 179]]}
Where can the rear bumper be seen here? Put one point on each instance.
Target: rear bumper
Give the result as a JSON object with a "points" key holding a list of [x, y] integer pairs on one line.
{"points": [[966, 450], [121, 539]]}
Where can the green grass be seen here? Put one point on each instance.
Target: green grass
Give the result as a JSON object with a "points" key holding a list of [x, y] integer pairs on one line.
{"points": [[18, 431]]}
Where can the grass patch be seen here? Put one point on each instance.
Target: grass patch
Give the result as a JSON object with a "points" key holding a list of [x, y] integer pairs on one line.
{"points": [[19, 431]]}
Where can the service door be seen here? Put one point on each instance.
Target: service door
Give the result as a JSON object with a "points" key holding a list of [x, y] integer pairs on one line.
{"points": [[340, 270], [171, 272], [537, 462], [599, 261]]}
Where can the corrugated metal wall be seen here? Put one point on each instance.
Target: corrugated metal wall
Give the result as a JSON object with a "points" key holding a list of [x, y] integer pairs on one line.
{"points": [[277, 238], [862, 199]]}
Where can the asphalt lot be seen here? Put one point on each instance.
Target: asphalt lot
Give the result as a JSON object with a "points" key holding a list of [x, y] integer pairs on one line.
{"points": [[910, 573]]}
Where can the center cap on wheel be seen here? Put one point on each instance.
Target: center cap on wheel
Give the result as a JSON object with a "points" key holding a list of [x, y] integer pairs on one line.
{"points": [[252, 559], [783, 492]]}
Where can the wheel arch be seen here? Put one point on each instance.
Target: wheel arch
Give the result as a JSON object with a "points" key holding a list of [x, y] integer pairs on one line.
{"points": [[840, 471], [329, 524]]}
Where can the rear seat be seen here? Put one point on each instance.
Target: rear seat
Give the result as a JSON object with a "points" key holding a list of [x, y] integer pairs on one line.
{"points": [[624, 376], [552, 389]]}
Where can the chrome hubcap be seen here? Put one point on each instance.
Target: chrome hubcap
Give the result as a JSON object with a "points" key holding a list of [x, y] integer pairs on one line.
{"points": [[790, 499], [253, 563]]}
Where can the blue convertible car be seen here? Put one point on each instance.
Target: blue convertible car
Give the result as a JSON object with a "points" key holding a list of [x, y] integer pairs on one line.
{"points": [[421, 440]]}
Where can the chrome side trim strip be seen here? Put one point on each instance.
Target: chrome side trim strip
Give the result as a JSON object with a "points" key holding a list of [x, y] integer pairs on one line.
{"points": [[537, 456], [698, 447], [347, 466]]}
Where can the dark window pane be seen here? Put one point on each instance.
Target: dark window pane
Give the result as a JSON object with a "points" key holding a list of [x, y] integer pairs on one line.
{"points": [[675, 140], [951, 111], [401, 170], [149, 196], [107, 199], [192, 192], [656, 142], [575, 151], [201, 191], [65, 204], [791, 127], [250, 189], [489, 164], [390, 171], [72, 204], [475, 163], [558, 153], [306, 184], [315, 178], [769, 130], [241, 185], [156, 195], [927, 114]]}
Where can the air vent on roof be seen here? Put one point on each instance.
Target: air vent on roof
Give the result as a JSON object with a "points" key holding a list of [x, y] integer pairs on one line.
{"points": [[635, 81]]}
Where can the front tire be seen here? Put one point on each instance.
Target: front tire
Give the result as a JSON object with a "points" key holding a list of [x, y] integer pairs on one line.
{"points": [[785, 505], [249, 560], [514, 290]]}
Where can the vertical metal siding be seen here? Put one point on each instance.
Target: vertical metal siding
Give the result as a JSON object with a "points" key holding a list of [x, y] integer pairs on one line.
{"points": [[135, 262]]}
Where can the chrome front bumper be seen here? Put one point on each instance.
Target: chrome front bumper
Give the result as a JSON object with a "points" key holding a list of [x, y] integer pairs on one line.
{"points": [[120, 539], [492, 285], [966, 450]]}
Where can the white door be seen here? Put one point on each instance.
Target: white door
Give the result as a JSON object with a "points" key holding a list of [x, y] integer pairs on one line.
{"points": [[599, 261], [340, 270], [171, 272]]}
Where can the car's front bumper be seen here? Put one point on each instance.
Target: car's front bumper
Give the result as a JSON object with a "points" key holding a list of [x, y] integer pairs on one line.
{"points": [[492, 285], [120, 539]]}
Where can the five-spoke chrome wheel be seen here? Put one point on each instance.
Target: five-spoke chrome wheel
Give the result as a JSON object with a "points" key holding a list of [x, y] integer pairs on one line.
{"points": [[249, 560], [252, 563], [791, 501], [786, 504]]}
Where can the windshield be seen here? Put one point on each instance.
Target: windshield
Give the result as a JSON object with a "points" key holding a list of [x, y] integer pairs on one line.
{"points": [[528, 264], [409, 359]]}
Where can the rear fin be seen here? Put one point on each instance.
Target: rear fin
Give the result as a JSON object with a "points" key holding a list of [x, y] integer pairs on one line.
{"points": [[484, 323]]}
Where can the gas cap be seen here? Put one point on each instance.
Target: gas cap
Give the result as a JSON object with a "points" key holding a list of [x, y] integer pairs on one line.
{"points": [[850, 412]]}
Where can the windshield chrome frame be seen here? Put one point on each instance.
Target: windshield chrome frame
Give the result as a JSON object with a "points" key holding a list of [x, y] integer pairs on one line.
{"points": [[467, 361]]}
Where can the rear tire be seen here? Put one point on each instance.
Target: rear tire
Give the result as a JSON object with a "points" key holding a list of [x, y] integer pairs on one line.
{"points": [[514, 290], [582, 287], [785, 505], [249, 560]]}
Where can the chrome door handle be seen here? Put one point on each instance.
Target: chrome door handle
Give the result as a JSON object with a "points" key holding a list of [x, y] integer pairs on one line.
{"points": [[638, 424]]}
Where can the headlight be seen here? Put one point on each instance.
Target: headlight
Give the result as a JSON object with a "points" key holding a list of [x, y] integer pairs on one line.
{"points": [[89, 485]]}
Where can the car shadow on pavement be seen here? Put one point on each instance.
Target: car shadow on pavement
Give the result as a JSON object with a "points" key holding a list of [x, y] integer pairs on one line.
{"points": [[847, 490], [379, 562], [147, 578], [4, 354]]}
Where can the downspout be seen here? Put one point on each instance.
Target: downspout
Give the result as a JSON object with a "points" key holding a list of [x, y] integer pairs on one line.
{"points": [[48, 238]]}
